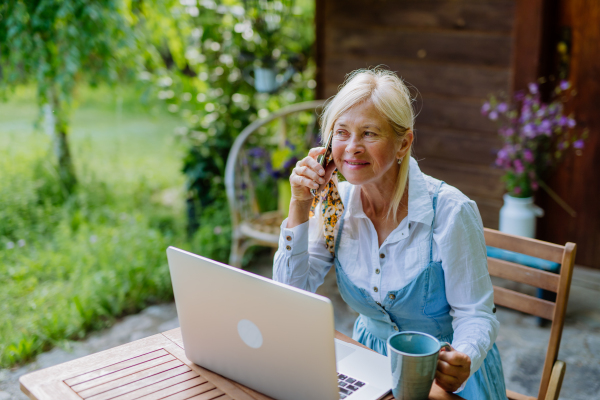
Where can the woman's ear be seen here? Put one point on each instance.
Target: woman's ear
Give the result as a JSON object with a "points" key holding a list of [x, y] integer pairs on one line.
{"points": [[407, 141]]}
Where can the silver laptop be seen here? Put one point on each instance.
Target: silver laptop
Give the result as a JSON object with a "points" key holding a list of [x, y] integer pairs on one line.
{"points": [[269, 336]]}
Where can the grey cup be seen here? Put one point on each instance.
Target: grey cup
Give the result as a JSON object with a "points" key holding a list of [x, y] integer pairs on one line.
{"points": [[413, 358]]}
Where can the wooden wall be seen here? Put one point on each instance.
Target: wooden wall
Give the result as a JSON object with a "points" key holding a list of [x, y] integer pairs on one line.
{"points": [[577, 180], [455, 53]]}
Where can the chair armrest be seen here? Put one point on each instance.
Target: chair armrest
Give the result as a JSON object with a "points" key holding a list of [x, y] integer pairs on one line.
{"points": [[556, 380]]}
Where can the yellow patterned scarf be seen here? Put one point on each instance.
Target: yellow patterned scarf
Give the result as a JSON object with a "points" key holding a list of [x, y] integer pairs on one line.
{"points": [[332, 209]]}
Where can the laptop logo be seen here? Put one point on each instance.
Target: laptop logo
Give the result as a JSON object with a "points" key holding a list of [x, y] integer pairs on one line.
{"points": [[250, 334]]}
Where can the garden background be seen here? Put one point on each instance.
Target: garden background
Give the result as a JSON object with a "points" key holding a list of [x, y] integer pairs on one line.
{"points": [[114, 132]]}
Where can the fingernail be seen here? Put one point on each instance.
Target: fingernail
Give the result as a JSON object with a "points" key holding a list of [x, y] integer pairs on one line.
{"points": [[321, 180], [321, 172]]}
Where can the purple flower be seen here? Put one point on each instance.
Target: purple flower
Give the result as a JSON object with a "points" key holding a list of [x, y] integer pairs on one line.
{"points": [[502, 108], [519, 95], [564, 85], [518, 166], [553, 109], [563, 121], [525, 114], [528, 155], [290, 145], [528, 131], [485, 108], [578, 144], [506, 132], [562, 145], [571, 122], [541, 112], [257, 152], [533, 88], [517, 190], [290, 163], [493, 115], [545, 127], [534, 185]]}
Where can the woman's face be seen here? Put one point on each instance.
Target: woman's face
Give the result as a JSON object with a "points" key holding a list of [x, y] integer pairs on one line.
{"points": [[365, 147]]}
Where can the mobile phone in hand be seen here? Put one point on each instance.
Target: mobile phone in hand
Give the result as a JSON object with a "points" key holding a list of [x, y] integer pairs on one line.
{"points": [[324, 159]]}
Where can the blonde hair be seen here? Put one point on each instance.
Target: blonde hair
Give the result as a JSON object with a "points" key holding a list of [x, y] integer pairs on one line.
{"points": [[391, 98]]}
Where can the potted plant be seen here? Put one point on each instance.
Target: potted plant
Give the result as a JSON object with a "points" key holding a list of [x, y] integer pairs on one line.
{"points": [[270, 68], [536, 135]]}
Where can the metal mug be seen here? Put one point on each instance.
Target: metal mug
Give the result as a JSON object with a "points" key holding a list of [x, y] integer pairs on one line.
{"points": [[413, 358]]}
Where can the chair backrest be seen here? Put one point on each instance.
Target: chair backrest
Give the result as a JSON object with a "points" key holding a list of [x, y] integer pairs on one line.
{"points": [[236, 168], [557, 283]]}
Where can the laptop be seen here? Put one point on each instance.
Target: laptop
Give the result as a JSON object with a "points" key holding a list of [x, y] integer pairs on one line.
{"points": [[268, 336]]}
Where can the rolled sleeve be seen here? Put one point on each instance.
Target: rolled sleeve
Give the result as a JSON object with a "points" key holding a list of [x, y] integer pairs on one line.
{"points": [[469, 290]]}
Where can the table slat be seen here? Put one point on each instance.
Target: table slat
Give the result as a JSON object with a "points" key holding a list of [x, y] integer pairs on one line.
{"points": [[216, 394], [205, 391], [167, 387], [115, 367], [117, 390], [157, 364]]}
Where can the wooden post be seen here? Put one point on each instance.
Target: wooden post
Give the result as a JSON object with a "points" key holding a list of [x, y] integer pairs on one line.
{"points": [[575, 179], [533, 41]]}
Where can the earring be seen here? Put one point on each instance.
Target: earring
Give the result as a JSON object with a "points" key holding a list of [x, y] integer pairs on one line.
{"points": [[400, 160]]}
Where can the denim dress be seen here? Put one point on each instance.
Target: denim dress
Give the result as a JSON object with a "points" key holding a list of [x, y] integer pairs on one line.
{"points": [[419, 306]]}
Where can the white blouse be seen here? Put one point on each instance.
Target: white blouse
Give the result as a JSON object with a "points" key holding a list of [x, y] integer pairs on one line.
{"points": [[303, 260]]}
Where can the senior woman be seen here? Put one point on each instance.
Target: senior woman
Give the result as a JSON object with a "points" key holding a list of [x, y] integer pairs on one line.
{"points": [[408, 251]]}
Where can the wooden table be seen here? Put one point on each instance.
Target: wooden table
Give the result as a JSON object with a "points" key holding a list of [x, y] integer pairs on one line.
{"points": [[149, 369]]}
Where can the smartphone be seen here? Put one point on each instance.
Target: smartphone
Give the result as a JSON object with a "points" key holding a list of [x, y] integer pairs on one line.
{"points": [[324, 158]]}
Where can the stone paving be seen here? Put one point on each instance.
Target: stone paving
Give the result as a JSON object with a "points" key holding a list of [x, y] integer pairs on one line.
{"points": [[521, 341]]}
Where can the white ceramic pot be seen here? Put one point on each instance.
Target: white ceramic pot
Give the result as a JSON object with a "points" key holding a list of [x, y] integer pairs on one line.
{"points": [[267, 80], [518, 216]]}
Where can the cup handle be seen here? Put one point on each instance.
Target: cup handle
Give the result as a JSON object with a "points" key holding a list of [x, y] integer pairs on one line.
{"points": [[445, 345]]}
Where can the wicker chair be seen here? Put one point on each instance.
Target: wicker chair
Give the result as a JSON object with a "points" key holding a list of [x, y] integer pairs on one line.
{"points": [[250, 226]]}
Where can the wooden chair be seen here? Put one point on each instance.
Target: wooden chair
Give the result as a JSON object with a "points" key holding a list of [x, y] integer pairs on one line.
{"points": [[250, 226], [554, 369]]}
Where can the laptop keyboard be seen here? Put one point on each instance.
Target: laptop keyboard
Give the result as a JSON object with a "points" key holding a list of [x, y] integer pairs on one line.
{"points": [[348, 385]]}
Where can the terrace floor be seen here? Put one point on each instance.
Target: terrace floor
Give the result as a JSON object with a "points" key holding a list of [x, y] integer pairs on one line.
{"points": [[521, 341]]}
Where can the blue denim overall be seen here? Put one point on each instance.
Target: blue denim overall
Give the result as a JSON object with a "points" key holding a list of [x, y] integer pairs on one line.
{"points": [[419, 306]]}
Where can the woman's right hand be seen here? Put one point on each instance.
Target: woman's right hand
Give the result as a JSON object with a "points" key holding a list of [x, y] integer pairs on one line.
{"points": [[309, 174]]}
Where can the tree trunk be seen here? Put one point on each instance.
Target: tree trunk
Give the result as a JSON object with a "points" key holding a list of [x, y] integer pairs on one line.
{"points": [[66, 170]]}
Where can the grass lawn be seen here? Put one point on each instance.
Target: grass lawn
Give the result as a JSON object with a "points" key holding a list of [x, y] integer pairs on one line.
{"points": [[71, 264]]}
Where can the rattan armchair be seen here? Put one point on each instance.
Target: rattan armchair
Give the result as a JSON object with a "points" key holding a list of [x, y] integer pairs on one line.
{"points": [[250, 226]]}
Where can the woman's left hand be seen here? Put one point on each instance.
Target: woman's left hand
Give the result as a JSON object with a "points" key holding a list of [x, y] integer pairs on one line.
{"points": [[453, 369]]}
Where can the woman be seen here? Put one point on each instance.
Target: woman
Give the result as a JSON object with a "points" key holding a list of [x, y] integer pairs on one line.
{"points": [[409, 250]]}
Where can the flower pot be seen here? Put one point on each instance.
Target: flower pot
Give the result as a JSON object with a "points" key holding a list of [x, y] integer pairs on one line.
{"points": [[267, 80], [284, 196], [518, 216]]}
